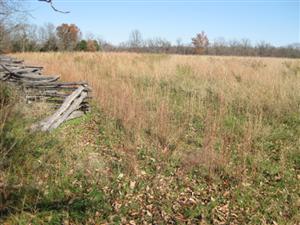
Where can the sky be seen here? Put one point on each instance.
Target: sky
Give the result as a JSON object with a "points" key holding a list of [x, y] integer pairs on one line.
{"points": [[273, 21]]}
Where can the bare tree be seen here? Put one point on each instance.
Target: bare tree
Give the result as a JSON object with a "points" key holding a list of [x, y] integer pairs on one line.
{"points": [[135, 39], [8, 9], [24, 38], [200, 43], [179, 46], [47, 37]]}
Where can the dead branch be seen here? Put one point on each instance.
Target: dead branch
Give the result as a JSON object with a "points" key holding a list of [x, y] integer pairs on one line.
{"points": [[52, 6]]}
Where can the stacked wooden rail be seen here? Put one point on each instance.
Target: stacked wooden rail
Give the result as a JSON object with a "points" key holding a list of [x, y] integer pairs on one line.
{"points": [[70, 99]]}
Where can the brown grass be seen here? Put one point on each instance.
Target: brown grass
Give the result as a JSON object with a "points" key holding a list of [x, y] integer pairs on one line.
{"points": [[159, 97]]}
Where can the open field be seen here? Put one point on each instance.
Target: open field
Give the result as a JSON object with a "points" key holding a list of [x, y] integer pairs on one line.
{"points": [[171, 140]]}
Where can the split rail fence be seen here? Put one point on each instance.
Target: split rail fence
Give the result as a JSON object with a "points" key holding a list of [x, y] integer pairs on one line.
{"points": [[70, 99]]}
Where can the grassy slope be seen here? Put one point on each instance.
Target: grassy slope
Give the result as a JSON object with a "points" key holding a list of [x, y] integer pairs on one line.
{"points": [[171, 139]]}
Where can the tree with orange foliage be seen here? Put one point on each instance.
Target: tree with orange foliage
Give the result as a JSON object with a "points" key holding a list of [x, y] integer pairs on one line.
{"points": [[200, 43], [92, 46], [68, 36]]}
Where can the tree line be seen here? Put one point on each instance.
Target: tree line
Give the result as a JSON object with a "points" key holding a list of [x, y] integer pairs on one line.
{"points": [[26, 37], [68, 37], [20, 37]]}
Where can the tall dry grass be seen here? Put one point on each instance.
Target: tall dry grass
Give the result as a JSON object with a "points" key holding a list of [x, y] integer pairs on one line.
{"points": [[175, 100]]}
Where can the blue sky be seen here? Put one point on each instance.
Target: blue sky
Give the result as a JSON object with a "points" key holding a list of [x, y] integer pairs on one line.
{"points": [[277, 21]]}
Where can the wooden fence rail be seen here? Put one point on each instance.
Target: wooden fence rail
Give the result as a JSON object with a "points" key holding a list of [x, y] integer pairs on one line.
{"points": [[71, 99]]}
